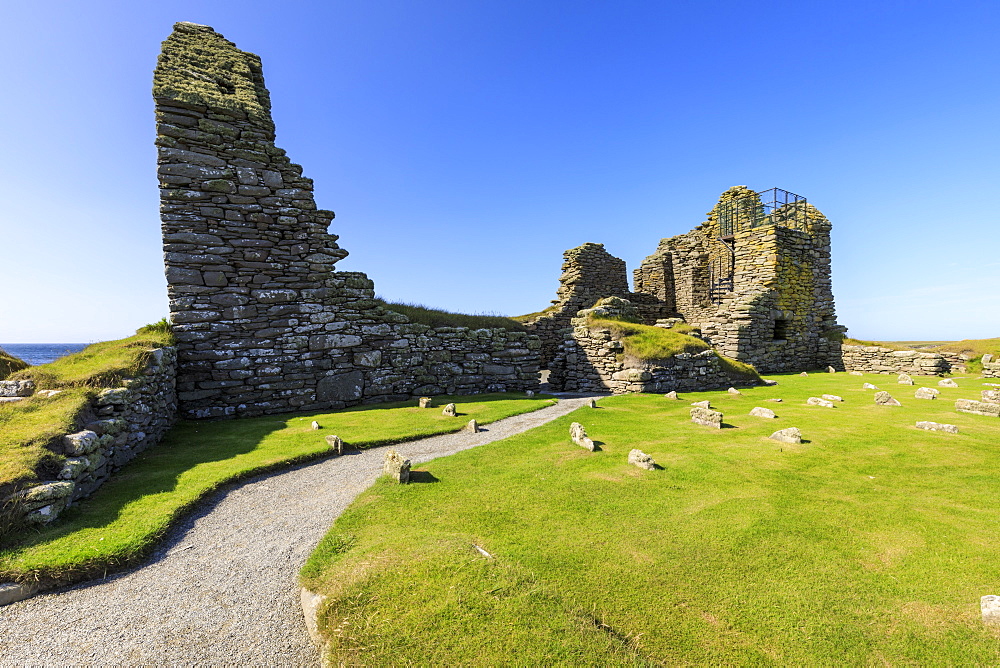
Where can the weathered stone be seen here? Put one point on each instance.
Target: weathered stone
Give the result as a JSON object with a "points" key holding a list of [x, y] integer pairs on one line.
{"points": [[763, 412], [17, 388], [706, 417], [473, 427], [579, 436], [816, 401], [947, 382], [803, 374], [397, 468], [991, 396], [73, 467], [80, 443], [641, 459], [702, 404], [671, 395], [47, 394], [990, 608], [424, 402], [936, 426], [315, 425], [925, 393], [830, 369], [776, 400], [450, 410], [987, 358], [342, 387], [789, 435], [336, 444], [977, 407], [593, 403], [885, 399], [856, 373], [904, 379], [831, 397], [632, 375], [733, 390], [869, 386]]}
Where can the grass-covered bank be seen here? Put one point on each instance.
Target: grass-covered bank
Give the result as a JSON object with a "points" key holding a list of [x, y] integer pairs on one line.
{"points": [[870, 543], [123, 520], [10, 364], [30, 430]]}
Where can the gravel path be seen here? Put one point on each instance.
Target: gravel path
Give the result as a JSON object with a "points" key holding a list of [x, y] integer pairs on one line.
{"points": [[223, 588]]}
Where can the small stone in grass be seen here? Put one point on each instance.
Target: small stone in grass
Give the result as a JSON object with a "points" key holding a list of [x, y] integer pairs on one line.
{"points": [[803, 374], [990, 607], [396, 467], [733, 390], [831, 397], [830, 369], [947, 382], [885, 399], [926, 393], [702, 404], [856, 373], [315, 425], [579, 436], [450, 410], [904, 379], [593, 403], [789, 435], [473, 426], [670, 395], [776, 400], [425, 402], [336, 444], [763, 412], [937, 426], [641, 459], [868, 386], [816, 401], [529, 393], [706, 417]]}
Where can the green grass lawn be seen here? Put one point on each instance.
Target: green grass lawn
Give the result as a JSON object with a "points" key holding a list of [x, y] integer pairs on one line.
{"points": [[870, 543], [123, 520]]}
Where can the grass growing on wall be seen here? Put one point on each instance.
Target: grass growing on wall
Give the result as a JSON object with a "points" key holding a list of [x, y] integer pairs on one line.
{"points": [[648, 343], [121, 522], [869, 543], [103, 364], [423, 315]]}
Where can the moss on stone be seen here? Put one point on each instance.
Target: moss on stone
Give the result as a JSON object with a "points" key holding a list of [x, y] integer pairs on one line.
{"points": [[200, 67]]}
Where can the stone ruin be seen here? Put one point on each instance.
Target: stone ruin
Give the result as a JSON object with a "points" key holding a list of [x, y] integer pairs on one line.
{"points": [[754, 279], [263, 322]]}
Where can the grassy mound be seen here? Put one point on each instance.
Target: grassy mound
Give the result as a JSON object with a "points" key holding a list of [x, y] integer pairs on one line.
{"points": [[103, 364], [10, 364], [869, 543], [423, 315], [124, 520]]}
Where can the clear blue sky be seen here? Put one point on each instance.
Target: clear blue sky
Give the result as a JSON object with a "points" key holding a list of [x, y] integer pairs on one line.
{"points": [[464, 145]]}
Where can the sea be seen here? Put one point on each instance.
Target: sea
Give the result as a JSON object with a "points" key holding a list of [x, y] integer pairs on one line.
{"points": [[42, 353]]}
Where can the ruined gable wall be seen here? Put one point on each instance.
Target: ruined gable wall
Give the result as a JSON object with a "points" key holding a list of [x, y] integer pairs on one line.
{"points": [[263, 322], [677, 275], [589, 273]]}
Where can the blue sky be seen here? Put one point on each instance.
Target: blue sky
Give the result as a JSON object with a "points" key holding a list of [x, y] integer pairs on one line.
{"points": [[466, 144]]}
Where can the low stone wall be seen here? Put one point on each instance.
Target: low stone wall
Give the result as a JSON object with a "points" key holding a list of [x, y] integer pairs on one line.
{"points": [[591, 360], [120, 423], [991, 370], [876, 359]]}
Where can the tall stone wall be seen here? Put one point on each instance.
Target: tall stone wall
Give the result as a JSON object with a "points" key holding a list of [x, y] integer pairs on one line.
{"points": [[263, 322]]}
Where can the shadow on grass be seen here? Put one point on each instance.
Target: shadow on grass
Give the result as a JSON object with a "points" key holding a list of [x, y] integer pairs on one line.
{"points": [[423, 477]]}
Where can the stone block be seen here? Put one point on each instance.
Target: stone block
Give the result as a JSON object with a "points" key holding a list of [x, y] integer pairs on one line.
{"points": [[869, 386], [17, 388], [579, 436], [990, 608], [816, 401], [977, 407], [925, 393], [831, 397], [706, 417], [991, 396], [789, 435], [473, 427], [641, 459], [672, 395], [450, 410], [762, 412], [702, 404], [80, 443], [733, 390], [947, 382], [342, 387], [424, 402], [397, 468], [904, 379], [885, 399], [632, 375], [936, 426], [336, 444]]}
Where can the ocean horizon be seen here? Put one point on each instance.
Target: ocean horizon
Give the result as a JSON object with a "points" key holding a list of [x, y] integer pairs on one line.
{"points": [[42, 353]]}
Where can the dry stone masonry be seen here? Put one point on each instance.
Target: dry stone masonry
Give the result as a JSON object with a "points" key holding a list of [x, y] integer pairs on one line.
{"points": [[120, 423], [877, 359], [263, 322]]}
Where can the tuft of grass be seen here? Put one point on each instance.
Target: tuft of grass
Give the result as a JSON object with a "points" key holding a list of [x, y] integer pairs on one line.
{"points": [[161, 326], [528, 317], [848, 341], [10, 364], [104, 364], [123, 521], [718, 557], [648, 343], [431, 317], [738, 371]]}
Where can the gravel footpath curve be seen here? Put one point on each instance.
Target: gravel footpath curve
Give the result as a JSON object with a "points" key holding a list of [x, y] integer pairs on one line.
{"points": [[223, 588]]}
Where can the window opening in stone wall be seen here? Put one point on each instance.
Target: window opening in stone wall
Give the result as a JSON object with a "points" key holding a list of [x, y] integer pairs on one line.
{"points": [[780, 330]]}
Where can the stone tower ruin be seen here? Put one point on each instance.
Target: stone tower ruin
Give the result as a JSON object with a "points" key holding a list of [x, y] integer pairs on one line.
{"points": [[754, 278], [264, 323]]}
